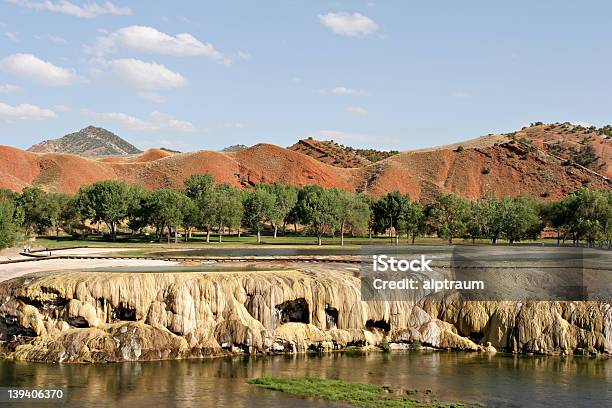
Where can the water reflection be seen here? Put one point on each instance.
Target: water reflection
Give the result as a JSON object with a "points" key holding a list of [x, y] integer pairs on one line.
{"points": [[494, 380]]}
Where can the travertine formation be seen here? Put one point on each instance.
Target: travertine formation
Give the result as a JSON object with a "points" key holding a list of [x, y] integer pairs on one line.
{"points": [[112, 316]]}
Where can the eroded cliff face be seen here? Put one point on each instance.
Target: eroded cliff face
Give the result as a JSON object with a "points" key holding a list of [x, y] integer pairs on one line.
{"points": [[105, 316]]}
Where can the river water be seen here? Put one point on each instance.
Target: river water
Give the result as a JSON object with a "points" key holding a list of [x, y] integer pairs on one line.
{"points": [[499, 380]]}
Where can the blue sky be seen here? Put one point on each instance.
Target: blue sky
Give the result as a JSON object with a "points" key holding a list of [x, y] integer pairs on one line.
{"points": [[386, 74]]}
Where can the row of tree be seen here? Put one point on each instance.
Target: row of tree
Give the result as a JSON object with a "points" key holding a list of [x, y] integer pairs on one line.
{"points": [[206, 206]]}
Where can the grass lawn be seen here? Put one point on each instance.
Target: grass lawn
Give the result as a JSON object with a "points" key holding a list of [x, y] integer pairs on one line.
{"points": [[126, 241], [355, 394]]}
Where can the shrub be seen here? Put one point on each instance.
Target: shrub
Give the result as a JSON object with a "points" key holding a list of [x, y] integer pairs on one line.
{"points": [[485, 170], [459, 149]]}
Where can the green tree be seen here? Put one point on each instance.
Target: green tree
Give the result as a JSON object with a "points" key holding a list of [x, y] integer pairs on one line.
{"points": [[449, 215], [369, 201], [285, 198], [106, 201], [259, 207], [70, 218], [353, 213], [164, 209], [57, 205], [37, 209], [227, 207], [360, 215], [293, 217], [412, 218], [11, 219], [199, 185], [590, 214], [556, 215], [518, 218], [201, 189], [191, 215], [318, 208], [494, 211], [388, 213], [137, 217], [479, 219], [607, 220]]}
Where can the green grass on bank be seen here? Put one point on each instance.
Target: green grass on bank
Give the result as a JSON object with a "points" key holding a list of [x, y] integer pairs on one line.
{"points": [[355, 394], [127, 241]]}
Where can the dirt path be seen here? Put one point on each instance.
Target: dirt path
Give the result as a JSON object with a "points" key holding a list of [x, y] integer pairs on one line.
{"points": [[10, 271]]}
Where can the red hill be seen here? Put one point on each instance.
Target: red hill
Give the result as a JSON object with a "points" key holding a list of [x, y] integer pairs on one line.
{"points": [[499, 165]]}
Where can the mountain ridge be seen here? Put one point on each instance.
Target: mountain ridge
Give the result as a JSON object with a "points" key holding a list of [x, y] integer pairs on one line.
{"points": [[90, 142], [498, 165]]}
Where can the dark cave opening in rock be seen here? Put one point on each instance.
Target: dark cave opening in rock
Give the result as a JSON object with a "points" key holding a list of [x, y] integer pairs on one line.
{"points": [[476, 337], [293, 311], [79, 322], [125, 313], [331, 317], [52, 303], [378, 325], [10, 328]]}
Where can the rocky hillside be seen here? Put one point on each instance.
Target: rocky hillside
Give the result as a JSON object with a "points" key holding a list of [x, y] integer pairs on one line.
{"points": [[90, 141], [587, 146], [331, 153], [234, 148], [498, 165], [337, 155], [504, 168]]}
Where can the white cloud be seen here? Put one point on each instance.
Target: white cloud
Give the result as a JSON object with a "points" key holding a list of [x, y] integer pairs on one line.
{"points": [[155, 122], [11, 35], [24, 111], [88, 10], [56, 39], [152, 97], [9, 88], [61, 108], [167, 122], [356, 110], [354, 137], [462, 95], [151, 41], [340, 90], [244, 55], [141, 75], [30, 67], [351, 25], [235, 125]]}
